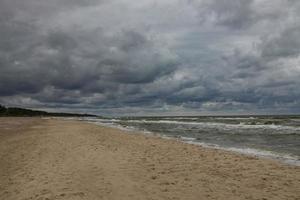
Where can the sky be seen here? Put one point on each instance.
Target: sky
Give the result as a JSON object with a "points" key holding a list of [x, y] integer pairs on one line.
{"points": [[151, 57]]}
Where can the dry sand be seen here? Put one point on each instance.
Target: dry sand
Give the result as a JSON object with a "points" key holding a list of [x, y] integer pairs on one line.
{"points": [[58, 159]]}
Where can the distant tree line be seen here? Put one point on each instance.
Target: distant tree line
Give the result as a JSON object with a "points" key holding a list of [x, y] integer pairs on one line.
{"points": [[21, 112]]}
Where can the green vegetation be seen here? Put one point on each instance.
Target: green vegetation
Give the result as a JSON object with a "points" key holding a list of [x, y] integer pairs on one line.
{"points": [[21, 112]]}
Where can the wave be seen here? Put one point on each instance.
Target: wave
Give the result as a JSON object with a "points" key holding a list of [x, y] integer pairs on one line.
{"points": [[180, 118], [220, 124], [234, 118]]}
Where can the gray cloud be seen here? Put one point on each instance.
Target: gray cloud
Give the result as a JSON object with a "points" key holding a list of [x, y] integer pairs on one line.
{"points": [[286, 44], [231, 13], [120, 57]]}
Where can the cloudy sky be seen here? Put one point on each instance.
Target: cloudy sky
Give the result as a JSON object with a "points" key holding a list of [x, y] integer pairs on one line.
{"points": [[151, 57]]}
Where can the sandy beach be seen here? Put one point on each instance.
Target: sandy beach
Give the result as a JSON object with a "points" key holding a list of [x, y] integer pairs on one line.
{"points": [[47, 159]]}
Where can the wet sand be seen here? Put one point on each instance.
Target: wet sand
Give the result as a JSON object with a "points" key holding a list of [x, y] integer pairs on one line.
{"points": [[47, 159]]}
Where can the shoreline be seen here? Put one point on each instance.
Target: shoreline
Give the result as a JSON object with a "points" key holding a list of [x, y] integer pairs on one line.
{"points": [[258, 153], [62, 159]]}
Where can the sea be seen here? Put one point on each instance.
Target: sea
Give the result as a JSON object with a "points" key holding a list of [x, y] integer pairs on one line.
{"points": [[274, 137]]}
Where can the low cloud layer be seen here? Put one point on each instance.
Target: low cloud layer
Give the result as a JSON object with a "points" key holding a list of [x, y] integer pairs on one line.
{"points": [[151, 57]]}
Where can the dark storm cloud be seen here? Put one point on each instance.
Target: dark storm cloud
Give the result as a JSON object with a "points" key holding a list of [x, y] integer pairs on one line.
{"points": [[123, 57]]}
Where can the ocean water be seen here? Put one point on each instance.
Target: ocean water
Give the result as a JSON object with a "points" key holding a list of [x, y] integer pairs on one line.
{"points": [[276, 137]]}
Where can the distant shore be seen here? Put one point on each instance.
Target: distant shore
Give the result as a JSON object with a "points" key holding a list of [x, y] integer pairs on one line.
{"points": [[23, 112], [59, 159]]}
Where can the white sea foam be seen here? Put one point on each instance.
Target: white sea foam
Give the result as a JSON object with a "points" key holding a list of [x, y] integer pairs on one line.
{"points": [[180, 118], [187, 138], [285, 158], [101, 120], [114, 125], [221, 125], [234, 118]]}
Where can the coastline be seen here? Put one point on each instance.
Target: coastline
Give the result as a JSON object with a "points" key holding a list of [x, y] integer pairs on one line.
{"points": [[61, 159], [259, 153]]}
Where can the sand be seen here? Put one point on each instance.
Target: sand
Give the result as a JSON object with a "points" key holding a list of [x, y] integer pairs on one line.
{"points": [[47, 159]]}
